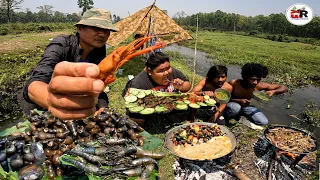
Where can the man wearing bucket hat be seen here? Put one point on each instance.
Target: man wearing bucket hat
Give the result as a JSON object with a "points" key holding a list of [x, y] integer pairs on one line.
{"points": [[62, 85]]}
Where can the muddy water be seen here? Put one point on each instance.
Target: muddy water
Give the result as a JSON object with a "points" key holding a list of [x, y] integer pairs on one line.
{"points": [[276, 110]]}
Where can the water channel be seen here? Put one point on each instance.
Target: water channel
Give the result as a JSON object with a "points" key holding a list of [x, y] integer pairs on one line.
{"points": [[276, 110]]}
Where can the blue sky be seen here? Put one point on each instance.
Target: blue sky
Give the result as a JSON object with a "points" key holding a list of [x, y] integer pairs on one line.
{"points": [[122, 7]]}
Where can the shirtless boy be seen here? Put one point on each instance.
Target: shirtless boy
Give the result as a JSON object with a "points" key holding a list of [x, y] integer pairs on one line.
{"points": [[252, 73], [216, 78]]}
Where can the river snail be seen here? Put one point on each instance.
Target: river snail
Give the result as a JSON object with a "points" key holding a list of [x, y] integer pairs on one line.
{"points": [[10, 148], [29, 157], [33, 171], [16, 163]]}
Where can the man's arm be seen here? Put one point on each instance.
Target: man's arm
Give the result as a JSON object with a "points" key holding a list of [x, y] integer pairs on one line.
{"points": [[272, 89], [199, 86], [38, 93], [36, 88], [231, 82]]}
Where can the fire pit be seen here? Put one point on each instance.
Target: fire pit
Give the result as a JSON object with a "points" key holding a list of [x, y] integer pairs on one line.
{"points": [[185, 169], [275, 158], [187, 166]]}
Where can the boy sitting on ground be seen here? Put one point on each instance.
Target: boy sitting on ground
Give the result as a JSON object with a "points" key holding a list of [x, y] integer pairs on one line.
{"points": [[252, 73], [216, 78]]}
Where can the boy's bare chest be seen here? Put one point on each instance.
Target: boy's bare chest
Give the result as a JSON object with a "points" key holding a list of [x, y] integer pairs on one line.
{"points": [[240, 92]]}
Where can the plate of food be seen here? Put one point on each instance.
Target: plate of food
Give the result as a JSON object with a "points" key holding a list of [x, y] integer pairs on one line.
{"points": [[222, 96], [261, 96], [148, 101], [200, 141]]}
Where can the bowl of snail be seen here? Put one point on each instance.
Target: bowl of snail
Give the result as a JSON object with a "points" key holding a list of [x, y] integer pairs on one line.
{"points": [[261, 96], [222, 96]]}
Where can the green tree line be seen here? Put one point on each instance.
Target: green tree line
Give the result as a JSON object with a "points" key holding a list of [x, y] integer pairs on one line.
{"points": [[44, 15], [271, 24]]}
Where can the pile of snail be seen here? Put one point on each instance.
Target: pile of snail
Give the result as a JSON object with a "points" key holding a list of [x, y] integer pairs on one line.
{"points": [[17, 154], [56, 137]]}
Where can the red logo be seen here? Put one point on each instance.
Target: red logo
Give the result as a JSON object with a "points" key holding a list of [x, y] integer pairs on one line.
{"points": [[295, 14], [298, 13]]}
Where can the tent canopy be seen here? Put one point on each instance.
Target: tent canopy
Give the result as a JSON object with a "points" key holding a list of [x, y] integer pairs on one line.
{"points": [[150, 20]]}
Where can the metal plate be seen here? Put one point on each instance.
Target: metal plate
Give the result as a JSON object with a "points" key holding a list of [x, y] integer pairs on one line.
{"points": [[266, 131], [169, 144]]}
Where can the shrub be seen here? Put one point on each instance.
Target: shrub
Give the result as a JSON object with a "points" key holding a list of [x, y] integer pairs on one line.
{"points": [[18, 28], [4, 31], [254, 32]]}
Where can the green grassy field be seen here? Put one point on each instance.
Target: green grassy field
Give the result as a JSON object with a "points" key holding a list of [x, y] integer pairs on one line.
{"points": [[22, 52], [291, 63]]}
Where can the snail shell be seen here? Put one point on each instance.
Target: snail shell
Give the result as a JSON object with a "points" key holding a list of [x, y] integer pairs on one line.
{"points": [[17, 163], [31, 172], [3, 156], [68, 140], [29, 157], [55, 159], [10, 148]]}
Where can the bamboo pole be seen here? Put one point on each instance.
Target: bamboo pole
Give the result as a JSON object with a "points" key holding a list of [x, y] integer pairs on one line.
{"points": [[195, 54]]}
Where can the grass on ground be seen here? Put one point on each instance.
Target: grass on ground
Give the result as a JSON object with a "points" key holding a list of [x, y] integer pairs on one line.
{"points": [[22, 52]]}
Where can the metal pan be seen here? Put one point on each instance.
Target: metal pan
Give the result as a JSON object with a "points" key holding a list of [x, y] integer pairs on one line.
{"points": [[169, 135], [266, 131]]}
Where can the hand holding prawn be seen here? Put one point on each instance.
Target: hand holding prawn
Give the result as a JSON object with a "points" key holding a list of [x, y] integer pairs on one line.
{"points": [[110, 64]]}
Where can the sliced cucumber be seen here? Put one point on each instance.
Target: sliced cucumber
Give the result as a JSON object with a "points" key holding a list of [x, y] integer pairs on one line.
{"points": [[194, 105], [187, 101], [134, 92], [182, 106], [147, 111], [160, 108], [136, 109], [141, 95], [147, 92], [202, 104], [180, 102], [206, 97], [130, 105], [211, 102], [133, 89], [130, 98]]}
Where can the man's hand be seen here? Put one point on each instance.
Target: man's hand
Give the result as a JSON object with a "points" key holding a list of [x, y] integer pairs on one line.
{"points": [[73, 90], [244, 102], [270, 93], [178, 83], [209, 93]]}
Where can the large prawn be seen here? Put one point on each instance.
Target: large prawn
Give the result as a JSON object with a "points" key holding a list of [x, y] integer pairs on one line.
{"points": [[110, 64]]}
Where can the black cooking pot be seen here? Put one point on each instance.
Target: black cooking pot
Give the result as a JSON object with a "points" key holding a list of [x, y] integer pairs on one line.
{"points": [[266, 131]]}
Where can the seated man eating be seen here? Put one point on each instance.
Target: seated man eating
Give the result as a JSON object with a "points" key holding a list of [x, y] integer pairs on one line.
{"points": [[252, 73], [158, 75], [216, 78]]}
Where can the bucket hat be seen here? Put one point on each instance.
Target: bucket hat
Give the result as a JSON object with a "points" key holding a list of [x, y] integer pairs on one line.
{"points": [[98, 18]]}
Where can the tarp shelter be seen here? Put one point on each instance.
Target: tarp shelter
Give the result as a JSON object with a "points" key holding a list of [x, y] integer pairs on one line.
{"points": [[150, 20]]}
